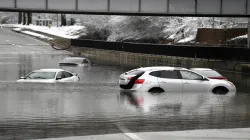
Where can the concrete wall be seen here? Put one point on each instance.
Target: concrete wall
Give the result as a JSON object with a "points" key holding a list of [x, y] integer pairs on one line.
{"points": [[137, 60]]}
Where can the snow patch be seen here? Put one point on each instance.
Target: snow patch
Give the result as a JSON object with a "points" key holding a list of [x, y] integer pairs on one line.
{"points": [[70, 32], [117, 19], [239, 37], [17, 29], [186, 40]]}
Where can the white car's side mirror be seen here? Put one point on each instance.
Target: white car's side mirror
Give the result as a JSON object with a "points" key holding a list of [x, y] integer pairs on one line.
{"points": [[58, 78], [22, 77], [204, 78]]}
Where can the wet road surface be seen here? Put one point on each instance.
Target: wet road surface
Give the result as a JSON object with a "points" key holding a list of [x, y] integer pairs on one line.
{"points": [[95, 105]]}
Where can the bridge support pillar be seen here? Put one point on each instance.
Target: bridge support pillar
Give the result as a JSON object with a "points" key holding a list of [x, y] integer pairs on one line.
{"points": [[248, 34]]}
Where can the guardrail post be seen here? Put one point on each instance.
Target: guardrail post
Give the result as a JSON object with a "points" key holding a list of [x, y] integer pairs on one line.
{"points": [[167, 6], [76, 5], [46, 4], [221, 6], [139, 8], [15, 3], [108, 5]]}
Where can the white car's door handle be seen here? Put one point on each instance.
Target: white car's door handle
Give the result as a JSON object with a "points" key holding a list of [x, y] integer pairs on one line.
{"points": [[163, 82], [186, 83]]}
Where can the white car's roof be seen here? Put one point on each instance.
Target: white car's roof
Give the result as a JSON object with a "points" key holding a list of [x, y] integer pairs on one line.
{"points": [[161, 68], [201, 69], [49, 70]]}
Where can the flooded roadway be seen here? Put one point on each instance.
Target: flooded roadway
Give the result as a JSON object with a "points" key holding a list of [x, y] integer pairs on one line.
{"points": [[95, 105]]}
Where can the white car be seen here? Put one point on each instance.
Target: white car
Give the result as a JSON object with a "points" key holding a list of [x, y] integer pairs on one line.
{"points": [[50, 76], [172, 79]]}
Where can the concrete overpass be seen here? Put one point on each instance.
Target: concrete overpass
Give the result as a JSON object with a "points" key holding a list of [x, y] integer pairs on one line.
{"points": [[218, 8]]}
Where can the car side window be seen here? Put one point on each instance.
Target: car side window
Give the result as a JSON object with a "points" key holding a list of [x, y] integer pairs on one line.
{"points": [[190, 75], [85, 61], [169, 74], [67, 75], [165, 74], [155, 73], [60, 75]]}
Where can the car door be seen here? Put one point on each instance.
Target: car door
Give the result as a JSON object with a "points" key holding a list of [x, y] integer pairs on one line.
{"points": [[170, 81], [193, 82], [68, 77], [60, 77]]}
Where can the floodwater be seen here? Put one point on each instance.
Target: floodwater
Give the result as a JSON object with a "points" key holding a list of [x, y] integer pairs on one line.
{"points": [[96, 105]]}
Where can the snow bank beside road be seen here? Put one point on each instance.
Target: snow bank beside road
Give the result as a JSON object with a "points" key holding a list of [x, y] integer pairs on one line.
{"points": [[70, 32]]}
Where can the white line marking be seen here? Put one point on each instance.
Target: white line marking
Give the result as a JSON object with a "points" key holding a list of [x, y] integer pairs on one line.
{"points": [[127, 132], [34, 39]]}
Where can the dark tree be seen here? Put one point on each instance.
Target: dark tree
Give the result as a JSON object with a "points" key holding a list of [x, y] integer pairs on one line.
{"points": [[29, 18], [24, 18], [63, 20], [20, 17], [72, 21]]}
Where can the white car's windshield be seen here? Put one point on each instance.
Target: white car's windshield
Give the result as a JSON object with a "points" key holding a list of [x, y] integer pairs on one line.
{"points": [[41, 75]]}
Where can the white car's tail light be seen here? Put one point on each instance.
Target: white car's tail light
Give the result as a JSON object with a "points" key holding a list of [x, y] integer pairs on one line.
{"points": [[139, 81]]}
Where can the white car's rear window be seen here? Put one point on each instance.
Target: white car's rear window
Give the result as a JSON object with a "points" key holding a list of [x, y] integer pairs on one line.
{"points": [[135, 72]]}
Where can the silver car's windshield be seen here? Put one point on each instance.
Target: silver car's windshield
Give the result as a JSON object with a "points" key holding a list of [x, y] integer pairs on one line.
{"points": [[41, 75]]}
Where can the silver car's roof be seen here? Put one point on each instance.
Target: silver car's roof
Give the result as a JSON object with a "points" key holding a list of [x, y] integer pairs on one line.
{"points": [[200, 69]]}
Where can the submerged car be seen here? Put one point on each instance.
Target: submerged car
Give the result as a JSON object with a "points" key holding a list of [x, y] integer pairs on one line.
{"points": [[212, 74], [75, 61], [49, 76], [172, 79]]}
